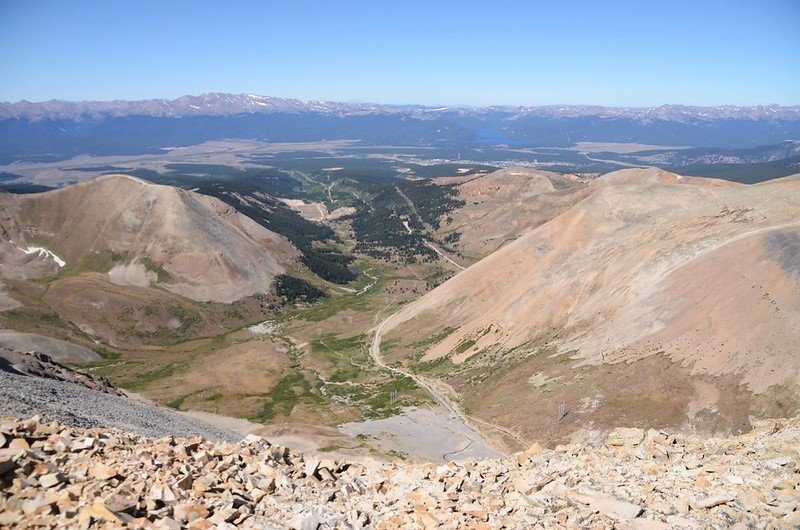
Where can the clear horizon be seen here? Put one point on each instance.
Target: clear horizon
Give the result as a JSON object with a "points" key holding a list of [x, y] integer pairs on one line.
{"points": [[624, 54], [450, 105]]}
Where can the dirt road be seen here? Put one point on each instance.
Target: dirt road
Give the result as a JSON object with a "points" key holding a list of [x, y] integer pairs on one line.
{"points": [[472, 436]]}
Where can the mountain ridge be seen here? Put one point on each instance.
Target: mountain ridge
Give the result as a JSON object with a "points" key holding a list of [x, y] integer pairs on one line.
{"points": [[648, 273], [192, 244], [225, 104]]}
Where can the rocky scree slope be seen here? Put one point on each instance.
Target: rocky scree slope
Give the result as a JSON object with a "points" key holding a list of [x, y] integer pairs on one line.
{"points": [[55, 476], [78, 406], [38, 364]]}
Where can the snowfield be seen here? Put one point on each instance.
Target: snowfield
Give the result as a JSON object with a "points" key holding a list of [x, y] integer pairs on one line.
{"points": [[44, 253]]}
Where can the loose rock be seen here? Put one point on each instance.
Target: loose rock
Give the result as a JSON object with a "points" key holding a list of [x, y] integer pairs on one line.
{"points": [[86, 478]]}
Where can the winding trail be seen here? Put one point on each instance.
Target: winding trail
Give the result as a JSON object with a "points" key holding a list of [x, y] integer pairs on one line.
{"points": [[440, 253], [368, 286], [412, 206], [425, 241], [468, 431], [322, 213], [449, 406], [328, 190]]}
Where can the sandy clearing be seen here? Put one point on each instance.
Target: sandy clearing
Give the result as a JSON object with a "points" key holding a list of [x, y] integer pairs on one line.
{"points": [[6, 301], [265, 328], [620, 148], [470, 437], [424, 434], [133, 274], [312, 211]]}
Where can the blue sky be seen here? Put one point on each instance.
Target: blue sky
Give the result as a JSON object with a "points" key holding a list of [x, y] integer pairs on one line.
{"points": [[477, 53]]}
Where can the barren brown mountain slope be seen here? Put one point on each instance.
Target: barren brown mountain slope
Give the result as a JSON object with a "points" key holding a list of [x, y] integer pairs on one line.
{"points": [[656, 300], [501, 205], [189, 243]]}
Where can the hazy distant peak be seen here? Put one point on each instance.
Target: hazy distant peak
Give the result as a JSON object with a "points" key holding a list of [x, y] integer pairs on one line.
{"points": [[222, 104]]}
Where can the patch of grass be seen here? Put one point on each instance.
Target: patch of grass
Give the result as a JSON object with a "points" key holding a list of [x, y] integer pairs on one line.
{"points": [[397, 454], [353, 394], [329, 448], [389, 345], [336, 301], [47, 280], [341, 352], [162, 276], [329, 341], [233, 313], [177, 403], [441, 365], [104, 353], [381, 403], [433, 339], [566, 357], [285, 396], [29, 315], [437, 276], [350, 373], [188, 317], [518, 347], [90, 262], [464, 346], [141, 381], [99, 367], [327, 307]]}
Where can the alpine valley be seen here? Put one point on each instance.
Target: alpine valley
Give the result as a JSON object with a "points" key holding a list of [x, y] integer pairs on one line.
{"points": [[454, 316]]}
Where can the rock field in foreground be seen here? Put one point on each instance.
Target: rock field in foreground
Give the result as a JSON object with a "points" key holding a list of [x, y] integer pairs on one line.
{"points": [[57, 476]]}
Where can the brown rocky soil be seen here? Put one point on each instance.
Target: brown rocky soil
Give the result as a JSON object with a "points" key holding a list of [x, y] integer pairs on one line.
{"points": [[500, 206], [697, 276], [188, 243]]}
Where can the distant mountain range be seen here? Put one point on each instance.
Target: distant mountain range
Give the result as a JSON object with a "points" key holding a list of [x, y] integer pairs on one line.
{"points": [[219, 104], [54, 130]]}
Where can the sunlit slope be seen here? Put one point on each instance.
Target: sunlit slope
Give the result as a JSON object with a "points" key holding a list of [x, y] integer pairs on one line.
{"points": [[701, 273], [188, 243], [500, 206]]}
